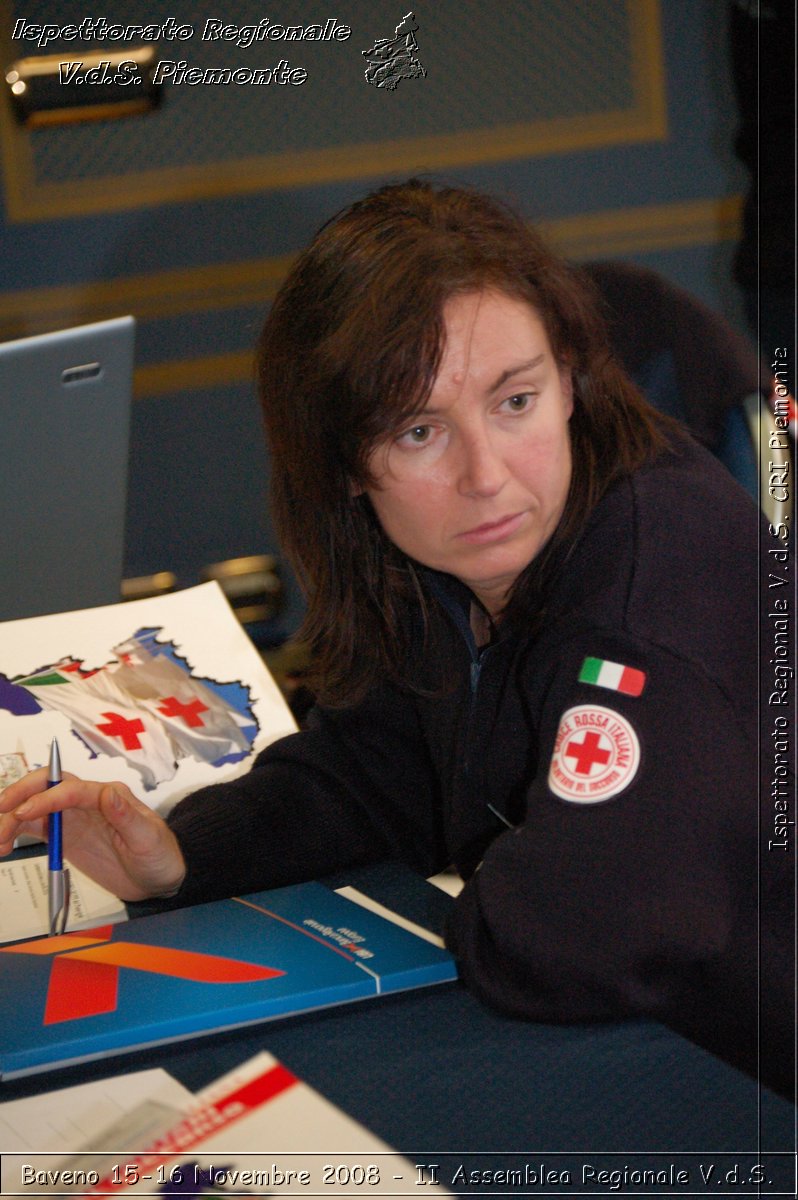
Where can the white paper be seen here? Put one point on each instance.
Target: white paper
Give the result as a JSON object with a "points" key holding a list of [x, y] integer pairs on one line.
{"points": [[24, 909], [388, 914], [220, 1140], [254, 1146], [198, 624], [67, 1119]]}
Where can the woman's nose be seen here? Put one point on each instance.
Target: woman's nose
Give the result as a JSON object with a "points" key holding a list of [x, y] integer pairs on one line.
{"points": [[482, 470]]}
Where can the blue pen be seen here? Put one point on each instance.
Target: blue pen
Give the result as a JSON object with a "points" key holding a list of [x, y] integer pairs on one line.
{"points": [[58, 875]]}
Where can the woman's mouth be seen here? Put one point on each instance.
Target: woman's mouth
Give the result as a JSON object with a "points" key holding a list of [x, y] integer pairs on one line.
{"points": [[494, 531]]}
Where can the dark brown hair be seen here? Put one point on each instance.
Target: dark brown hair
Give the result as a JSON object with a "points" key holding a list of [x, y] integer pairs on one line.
{"points": [[350, 351]]}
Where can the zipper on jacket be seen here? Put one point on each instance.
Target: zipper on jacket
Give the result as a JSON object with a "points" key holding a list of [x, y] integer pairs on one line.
{"points": [[477, 660], [461, 622]]}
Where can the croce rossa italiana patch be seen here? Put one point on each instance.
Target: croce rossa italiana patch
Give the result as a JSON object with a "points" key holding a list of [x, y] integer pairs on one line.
{"points": [[596, 754]]}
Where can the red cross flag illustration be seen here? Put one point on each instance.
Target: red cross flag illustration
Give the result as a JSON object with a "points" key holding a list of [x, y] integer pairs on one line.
{"points": [[596, 755], [107, 720], [197, 721], [144, 707]]}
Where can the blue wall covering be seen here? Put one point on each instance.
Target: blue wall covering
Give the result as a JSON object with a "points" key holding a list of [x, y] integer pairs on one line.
{"points": [[611, 122]]}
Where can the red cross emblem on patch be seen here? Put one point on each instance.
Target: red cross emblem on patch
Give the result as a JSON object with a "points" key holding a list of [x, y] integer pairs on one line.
{"points": [[596, 755]]}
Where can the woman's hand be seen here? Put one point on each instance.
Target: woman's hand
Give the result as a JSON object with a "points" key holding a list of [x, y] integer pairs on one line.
{"points": [[107, 832]]}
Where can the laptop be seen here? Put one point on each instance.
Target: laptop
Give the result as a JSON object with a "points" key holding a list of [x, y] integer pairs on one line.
{"points": [[64, 427]]}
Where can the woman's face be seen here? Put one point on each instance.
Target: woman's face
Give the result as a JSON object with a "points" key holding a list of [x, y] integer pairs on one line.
{"points": [[476, 485]]}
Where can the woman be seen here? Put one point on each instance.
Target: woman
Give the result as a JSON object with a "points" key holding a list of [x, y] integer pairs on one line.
{"points": [[532, 604]]}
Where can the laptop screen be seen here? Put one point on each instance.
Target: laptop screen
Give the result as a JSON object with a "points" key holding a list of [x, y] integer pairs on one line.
{"points": [[64, 423]]}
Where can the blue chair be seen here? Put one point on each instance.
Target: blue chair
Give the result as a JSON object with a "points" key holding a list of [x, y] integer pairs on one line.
{"points": [[690, 363]]}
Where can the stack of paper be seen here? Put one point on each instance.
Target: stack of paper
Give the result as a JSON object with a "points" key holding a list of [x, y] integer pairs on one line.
{"points": [[257, 1131]]}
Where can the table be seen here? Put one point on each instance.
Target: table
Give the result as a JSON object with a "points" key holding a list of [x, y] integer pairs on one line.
{"points": [[449, 1082]]}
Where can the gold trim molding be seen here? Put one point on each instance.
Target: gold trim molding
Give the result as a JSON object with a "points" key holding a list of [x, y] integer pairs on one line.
{"points": [[194, 374], [253, 283], [148, 297], [646, 228], [645, 120]]}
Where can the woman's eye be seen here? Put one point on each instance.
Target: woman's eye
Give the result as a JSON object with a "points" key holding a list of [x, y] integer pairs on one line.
{"points": [[416, 436], [520, 402]]}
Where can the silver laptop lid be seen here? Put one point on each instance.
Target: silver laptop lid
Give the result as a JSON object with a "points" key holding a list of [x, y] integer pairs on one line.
{"points": [[64, 425]]}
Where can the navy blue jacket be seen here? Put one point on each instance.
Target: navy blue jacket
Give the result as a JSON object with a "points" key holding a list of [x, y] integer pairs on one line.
{"points": [[621, 852]]}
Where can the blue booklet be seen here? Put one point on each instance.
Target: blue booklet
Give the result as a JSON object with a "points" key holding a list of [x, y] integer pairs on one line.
{"points": [[194, 971]]}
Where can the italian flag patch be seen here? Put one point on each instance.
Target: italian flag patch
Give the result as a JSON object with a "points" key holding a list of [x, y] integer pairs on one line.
{"points": [[612, 675]]}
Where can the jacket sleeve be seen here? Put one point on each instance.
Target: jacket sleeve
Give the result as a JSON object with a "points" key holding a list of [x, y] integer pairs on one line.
{"points": [[639, 898], [355, 787]]}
